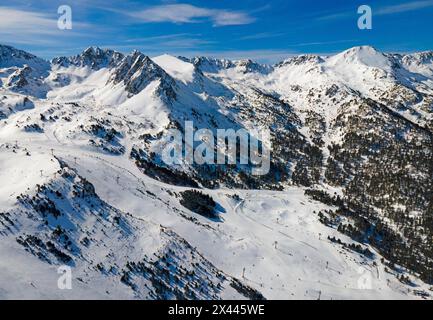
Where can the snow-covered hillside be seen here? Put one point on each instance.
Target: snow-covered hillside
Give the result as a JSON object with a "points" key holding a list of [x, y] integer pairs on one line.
{"points": [[345, 212]]}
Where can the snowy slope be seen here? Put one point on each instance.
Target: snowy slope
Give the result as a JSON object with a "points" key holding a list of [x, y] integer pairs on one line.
{"points": [[176, 68], [275, 236]]}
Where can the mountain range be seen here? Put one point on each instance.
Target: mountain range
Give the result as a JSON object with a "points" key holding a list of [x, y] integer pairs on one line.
{"points": [[345, 212]]}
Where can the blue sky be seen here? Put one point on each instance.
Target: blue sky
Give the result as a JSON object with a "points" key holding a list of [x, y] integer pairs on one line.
{"points": [[266, 31]]}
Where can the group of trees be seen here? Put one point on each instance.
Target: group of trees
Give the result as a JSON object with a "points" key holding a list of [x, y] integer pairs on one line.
{"points": [[199, 203]]}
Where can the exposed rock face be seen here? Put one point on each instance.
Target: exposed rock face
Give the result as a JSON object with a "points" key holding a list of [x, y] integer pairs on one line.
{"points": [[136, 71]]}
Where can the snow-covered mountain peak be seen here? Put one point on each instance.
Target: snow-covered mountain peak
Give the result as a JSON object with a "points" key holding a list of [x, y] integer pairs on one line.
{"points": [[22, 72], [250, 66], [363, 55], [10, 54], [136, 71], [300, 60], [424, 57], [92, 57], [12, 57], [211, 65], [419, 62], [137, 60]]}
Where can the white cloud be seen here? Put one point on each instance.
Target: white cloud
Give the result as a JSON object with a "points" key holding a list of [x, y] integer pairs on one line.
{"points": [[226, 18], [18, 26], [15, 21], [186, 13], [168, 41], [405, 7], [382, 11]]}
